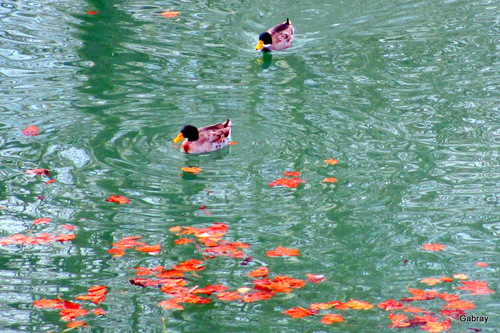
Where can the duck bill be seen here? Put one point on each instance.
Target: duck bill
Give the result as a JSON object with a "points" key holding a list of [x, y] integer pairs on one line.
{"points": [[259, 45], [178, 138]]}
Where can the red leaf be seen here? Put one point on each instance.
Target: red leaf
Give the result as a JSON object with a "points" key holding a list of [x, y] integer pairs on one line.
{"points": [[64, 238], [99, 312], [50, 181], [287, 182], [43, 220], [68, 226], [190, 265], [116, 252], [391, 305], [118, 199], [47, 303], [229, 296], [476, 287], [92, 12], [482, 264], [292, 173], [38, 172], [257, 296], [30, 131]]}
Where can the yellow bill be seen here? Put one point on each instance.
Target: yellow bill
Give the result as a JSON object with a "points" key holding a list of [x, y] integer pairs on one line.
{"points": [[259, 45], [178, 138]]}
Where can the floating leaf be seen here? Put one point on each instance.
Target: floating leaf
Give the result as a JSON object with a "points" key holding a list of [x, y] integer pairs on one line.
{"points": [[259, 272], [229, 296], [481, 264], [49, 181], [391, 305], [64, 238], [460, 276], [332, 318], [182, 241], [47, 303], [287, 182], [30, 131], [476, 287], [38, 172], [169, 305], [99, 312], [292, 173], [233, 143], [332, 161], [190, 265], [257, 296], [460, 305], [116, 252], [193, 170], [118, 199], [175, 229], [151, 249], [282, 251], [329, 180], [315, 278], [422, 295], [169, 14], [357, 305], [448, 297], [43, 220], [68, 226], [92, 12], [434, 247], [298, 312], [77, 323], [431, 281]]}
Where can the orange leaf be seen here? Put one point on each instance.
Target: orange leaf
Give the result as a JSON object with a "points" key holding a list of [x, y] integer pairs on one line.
{"points": [[292, 173], [167, 305], [68, 226], [332, 318], [233, 143], [476, 287], [182, 241], [50, 181], [437, 326], [259, 272], [460, 276], [46, 303], [30, 131], [175, 229], [78, 323], [64, 238], [152, 249], [118, 199], [210, 289], [413, 310], [257, 296], [332, 161], [448, 297], [329, 180], [433, 247], [320, 306], [190, 265], [172, 273], [358, 305], [169, 14], [282, 251], [422, 295], [141, 271], [431, 281], [287, 182], [70, 314], [193, 170], [99, 312], [460, 305], [298, 312], [43, 220], [228, 295], [390, 305], [116, 252], [315, 278], [482, 264]]}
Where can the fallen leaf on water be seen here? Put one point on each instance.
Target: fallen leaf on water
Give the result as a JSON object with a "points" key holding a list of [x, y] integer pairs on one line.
{"points": [[77, 323], [38, 172], [30, 131], [422, 295], [332, 318], [315, 278], [169, 305], [99, 312], [182, 241], [96, 294], [431, 281], [169, 14], [476, 287], [282, 251], [70, 314], [47, 303], [175, 229], [437, 326], [482, 264], [413, 310], [233, 143], [356, 305], [118, 199], [116, 252], [64, 238], [433, 247], [50, 181], [329, 180], [210, 289], [460, 276], [332, 161], [298, 312], [229, 296], [287, 182], [190, 265], [460, 305], [43, 220], [292, 173], [448, 297], [193, 170], [92, 12], [257, 296], [259, 272], [152, 249], [68, 226], [391, 305]]}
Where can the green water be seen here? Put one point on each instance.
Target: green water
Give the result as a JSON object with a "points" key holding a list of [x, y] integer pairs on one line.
{"points": [[405, 94]]}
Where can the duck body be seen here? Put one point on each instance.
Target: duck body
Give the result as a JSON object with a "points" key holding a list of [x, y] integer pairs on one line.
{"points": [[277, 38], [205, 139]]}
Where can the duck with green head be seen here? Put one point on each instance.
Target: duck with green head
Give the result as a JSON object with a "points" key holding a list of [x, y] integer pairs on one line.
{"points": [[277, 38], [204, 139]]}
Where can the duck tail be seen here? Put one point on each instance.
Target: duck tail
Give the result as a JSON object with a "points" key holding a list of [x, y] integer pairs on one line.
{"points": [[287, 21]]}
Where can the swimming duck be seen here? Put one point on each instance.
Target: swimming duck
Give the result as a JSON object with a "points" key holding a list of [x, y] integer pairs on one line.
{"points": [[205, 139], [277, 38]]}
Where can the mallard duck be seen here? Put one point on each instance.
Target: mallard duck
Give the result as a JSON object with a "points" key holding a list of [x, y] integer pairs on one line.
{"points": [[277, 38], [204, 139]]}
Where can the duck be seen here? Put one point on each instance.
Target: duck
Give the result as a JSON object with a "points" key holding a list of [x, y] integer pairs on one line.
{"points": [[205, 139], [277, 38]]}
